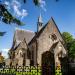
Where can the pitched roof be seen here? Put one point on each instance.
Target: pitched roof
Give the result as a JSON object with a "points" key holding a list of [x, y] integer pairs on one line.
{"points": [[38, 34], [20, 35]]}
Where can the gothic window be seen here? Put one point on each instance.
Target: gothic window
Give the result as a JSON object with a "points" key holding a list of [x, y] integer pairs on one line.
{"points": [[53, 37]]}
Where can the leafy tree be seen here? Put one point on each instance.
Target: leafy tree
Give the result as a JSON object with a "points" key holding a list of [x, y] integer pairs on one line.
{"points": [[70, 44], [1, 58], [7, 17], [67, 37], [37, 3], [72, 49], [2, 63]]}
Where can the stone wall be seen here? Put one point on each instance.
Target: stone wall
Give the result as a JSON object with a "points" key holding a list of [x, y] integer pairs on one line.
{"points": [[33, 50], [45, 40]]}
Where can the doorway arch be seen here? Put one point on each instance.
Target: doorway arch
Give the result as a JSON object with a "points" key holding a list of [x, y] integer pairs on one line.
{"points": [[48, 65]]}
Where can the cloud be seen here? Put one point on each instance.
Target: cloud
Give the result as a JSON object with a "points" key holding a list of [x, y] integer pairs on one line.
{"points": [[17, 9], [15, 5], [7, 5], [5, 52], [6, 2], [42, 4]]}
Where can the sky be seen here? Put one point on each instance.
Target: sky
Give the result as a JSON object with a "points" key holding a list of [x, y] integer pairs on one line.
{"points": [[62, 11]]}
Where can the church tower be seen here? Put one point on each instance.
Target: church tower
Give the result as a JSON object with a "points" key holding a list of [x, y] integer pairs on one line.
{"points": [[39, 23]]}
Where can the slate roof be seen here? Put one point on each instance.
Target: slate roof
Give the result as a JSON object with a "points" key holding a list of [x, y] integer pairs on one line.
{"points": [[20, 35]]}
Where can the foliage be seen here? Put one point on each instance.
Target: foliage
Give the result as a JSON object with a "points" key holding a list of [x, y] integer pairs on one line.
{"points": [[1, 59], [72, 49], [24, 1], [67, 37], [58, 72], [70, 44], [2, 33], [36, 2], [6, 17]]}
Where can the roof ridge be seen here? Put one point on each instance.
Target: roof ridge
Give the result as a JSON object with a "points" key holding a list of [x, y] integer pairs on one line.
{"points": [[24, 30]]}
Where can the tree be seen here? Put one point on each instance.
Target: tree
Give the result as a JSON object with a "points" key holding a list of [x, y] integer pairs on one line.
{"points": [[67, 37], [37, 2], [70, 44], [7, 17], [72, 49], [1, 60]]}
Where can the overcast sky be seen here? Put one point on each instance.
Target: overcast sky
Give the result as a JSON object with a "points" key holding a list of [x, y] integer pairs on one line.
{"points": [[63, 13]]}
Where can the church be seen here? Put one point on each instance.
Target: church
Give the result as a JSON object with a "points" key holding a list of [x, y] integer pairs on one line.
{"points": [[43, 47]]}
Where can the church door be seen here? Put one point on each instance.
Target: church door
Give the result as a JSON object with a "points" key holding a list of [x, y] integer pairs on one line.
{"points": [[48, 65]]}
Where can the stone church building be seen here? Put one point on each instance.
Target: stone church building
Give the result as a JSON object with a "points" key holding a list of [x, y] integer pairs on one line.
{"points": [[41, 47]]}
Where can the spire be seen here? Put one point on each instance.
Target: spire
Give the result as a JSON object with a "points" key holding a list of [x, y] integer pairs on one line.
{"points": [[40, 19], [40, 23]]}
